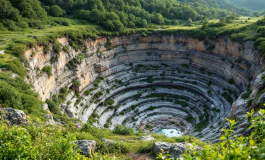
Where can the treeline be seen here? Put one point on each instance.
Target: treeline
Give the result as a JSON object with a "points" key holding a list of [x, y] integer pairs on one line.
{"points": [[117, 14], [114, 15], [21, 14]]}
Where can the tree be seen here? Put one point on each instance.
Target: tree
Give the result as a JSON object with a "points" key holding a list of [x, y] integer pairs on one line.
{"points": [[56, 11], [144, 23], [205, 24], [109, 25], [222, 20], [97, 16], [118, 26], [158, 18], [189, 22]]}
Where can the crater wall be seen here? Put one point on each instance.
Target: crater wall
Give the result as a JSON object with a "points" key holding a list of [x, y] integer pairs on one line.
{"points": [[150, 82]]}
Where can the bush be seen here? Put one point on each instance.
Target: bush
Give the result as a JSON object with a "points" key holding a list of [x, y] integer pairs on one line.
{"points": [[122, 130], [53, 107], [34, 142], [56, 11], [2, 28], [36, 24], [76, 83], [117, 148], [18, 50], [15, 93], [22, 24], [48, 70], [57, 47], [109, 102], [239, 37], [10, 25]]}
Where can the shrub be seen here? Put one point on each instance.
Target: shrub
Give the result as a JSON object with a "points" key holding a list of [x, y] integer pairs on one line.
{"points": [[57, 47], [122, 130], [22, 24], [239, 37], [32, 142], [53, 107], [18, 50], [16, 143], [15, 93], [109, 102], [76, 83], [35, 24], [56, 11], [117, 148], [47, 70], [10, 25]]}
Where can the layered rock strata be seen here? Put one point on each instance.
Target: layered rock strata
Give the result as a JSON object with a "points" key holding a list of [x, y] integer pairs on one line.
{"points": [[152, 82]]}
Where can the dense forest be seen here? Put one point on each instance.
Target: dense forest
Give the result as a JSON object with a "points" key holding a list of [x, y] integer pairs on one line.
{"points": [[113, 14]]}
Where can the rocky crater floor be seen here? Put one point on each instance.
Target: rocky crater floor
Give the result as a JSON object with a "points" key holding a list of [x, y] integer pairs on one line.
{"points": [[151, 82]]}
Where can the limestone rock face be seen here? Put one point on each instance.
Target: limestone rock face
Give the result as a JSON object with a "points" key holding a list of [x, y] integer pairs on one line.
{"points": [[155, 81], [174, 149], [87, 147], [94, 64], [16, 117]]}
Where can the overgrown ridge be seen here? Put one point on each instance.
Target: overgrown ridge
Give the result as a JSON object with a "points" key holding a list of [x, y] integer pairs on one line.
{"points": [[100, 81]]}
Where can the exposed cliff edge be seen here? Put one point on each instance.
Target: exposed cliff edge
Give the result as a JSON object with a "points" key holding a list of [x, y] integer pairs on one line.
{"points": [[151, 82]]}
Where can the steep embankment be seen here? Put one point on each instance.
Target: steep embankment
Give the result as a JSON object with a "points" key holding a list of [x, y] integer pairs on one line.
{"points": [[151, 82]]}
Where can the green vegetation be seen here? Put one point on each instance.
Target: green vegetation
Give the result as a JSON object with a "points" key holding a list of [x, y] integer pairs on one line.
{"points": [[24, 24], [112, 15], [233, 146], [16, 93], [109, 102], [75, 61], [122, 130], [48, 70], [32, 142]]}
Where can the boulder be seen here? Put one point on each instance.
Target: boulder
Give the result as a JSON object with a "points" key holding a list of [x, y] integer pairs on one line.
{"points": [[49, 117], [258, 85], [87, 147], [45, 106], [174, 149], [14, 116], [259, 82], [146, 138], [70, 112], [238, 107]]}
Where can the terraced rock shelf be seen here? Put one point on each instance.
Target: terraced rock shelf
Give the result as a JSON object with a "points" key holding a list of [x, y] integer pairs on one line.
{"points": [[150, 82]]}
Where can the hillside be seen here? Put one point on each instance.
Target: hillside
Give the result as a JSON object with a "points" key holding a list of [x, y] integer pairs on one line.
{"points": [[112, 15], [134, 79], [255, 5]]}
